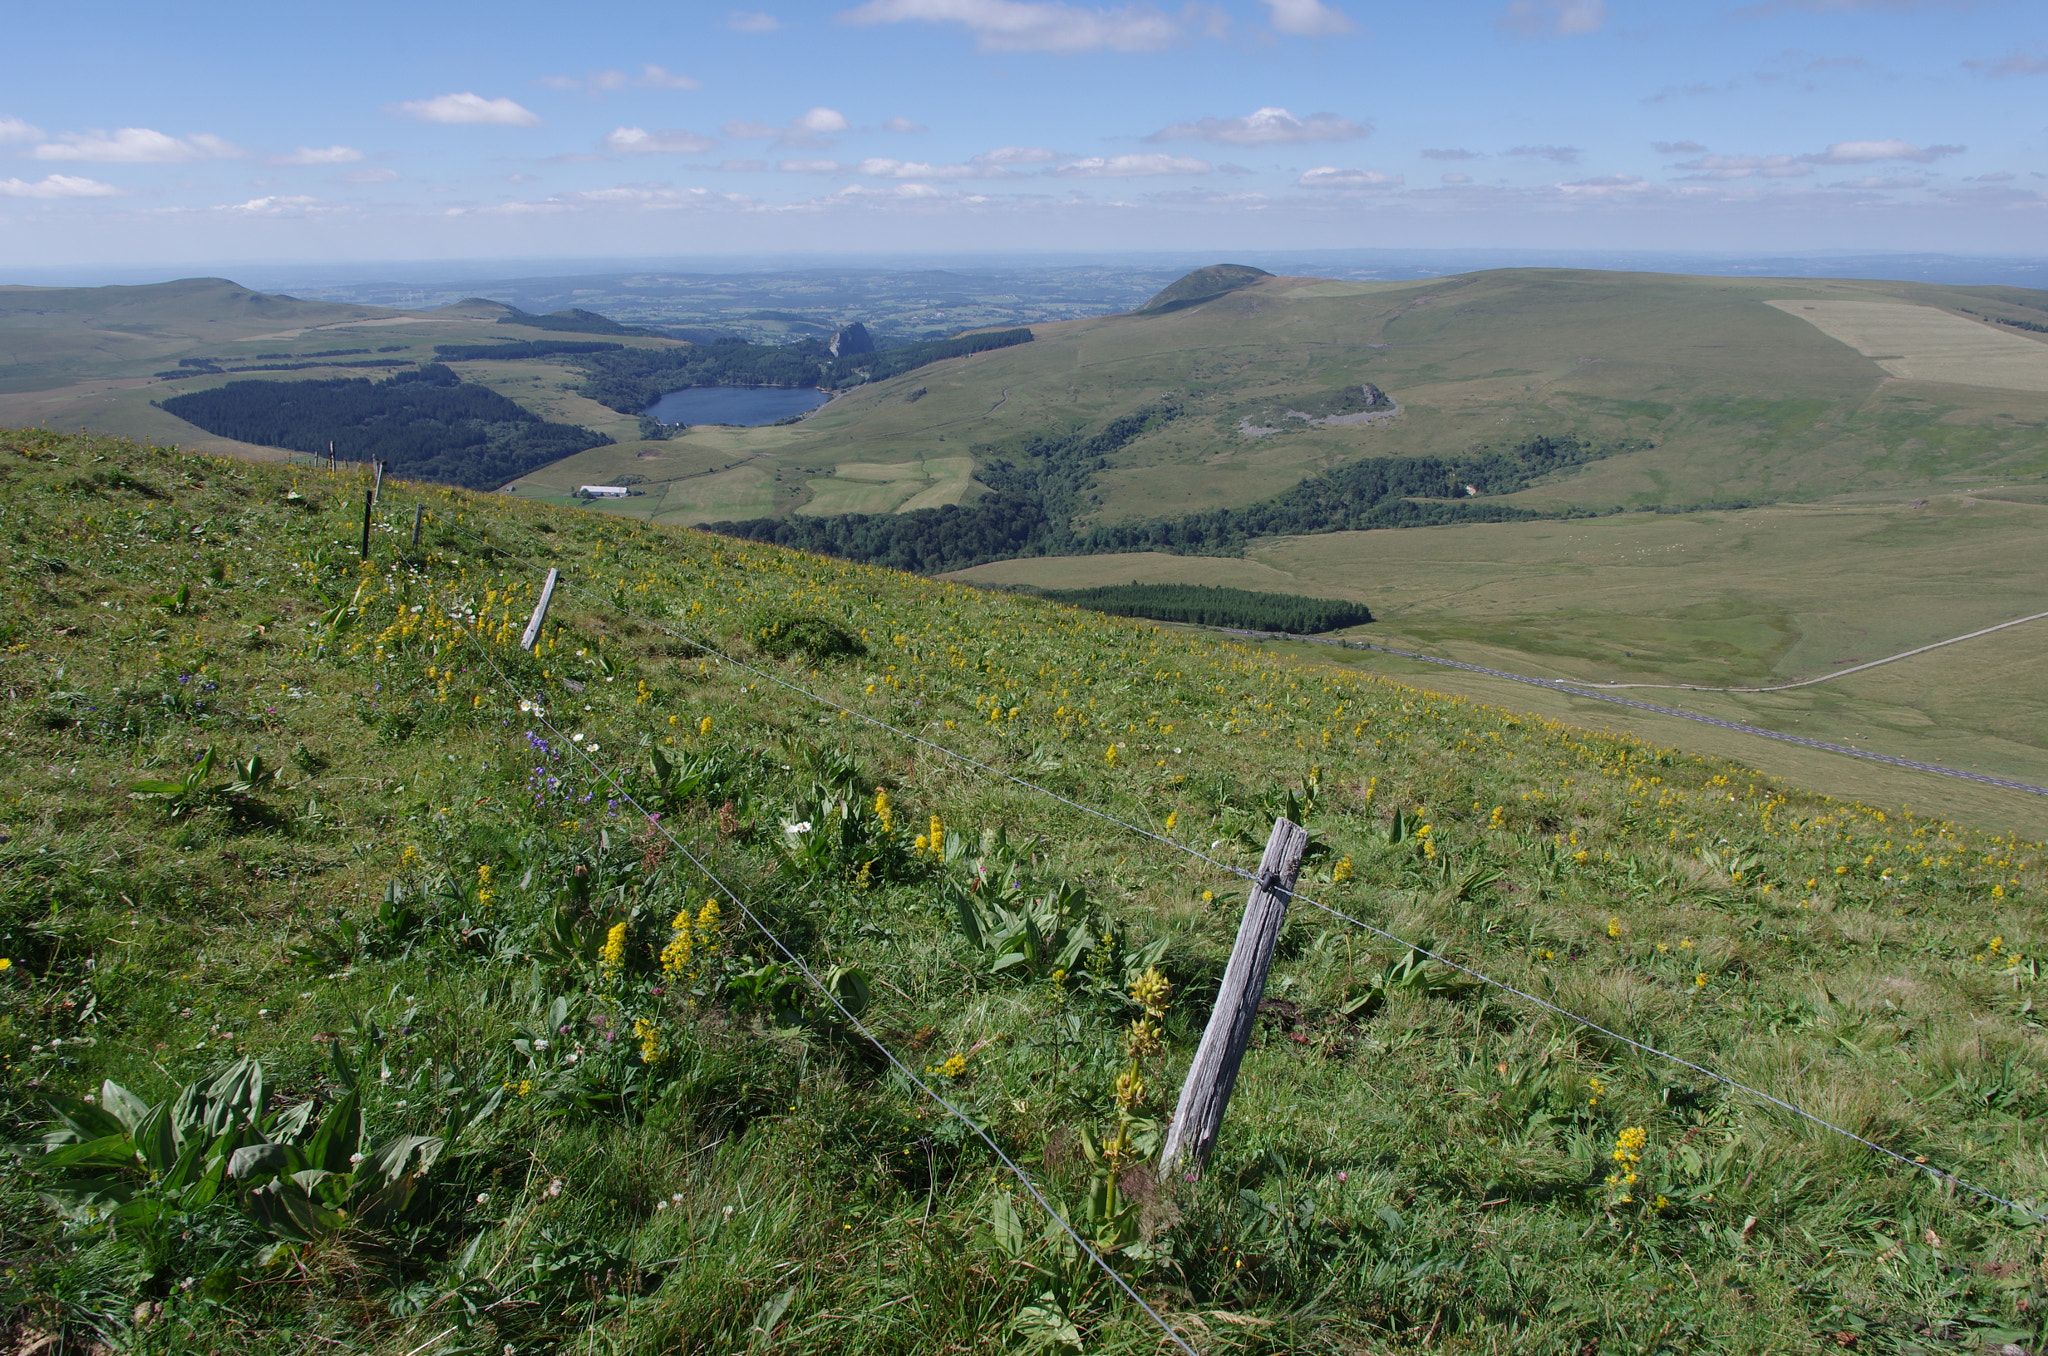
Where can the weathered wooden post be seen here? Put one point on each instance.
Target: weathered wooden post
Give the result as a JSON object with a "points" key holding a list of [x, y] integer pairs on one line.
{"points": [[417, 511], [377, 488], [1198, 1118], [540, 612], [369, 498]]}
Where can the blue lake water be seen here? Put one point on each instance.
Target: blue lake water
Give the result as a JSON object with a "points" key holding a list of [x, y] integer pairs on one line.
{"points": [[749, 405]]}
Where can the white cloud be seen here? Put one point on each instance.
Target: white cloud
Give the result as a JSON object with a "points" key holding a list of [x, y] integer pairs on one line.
{"points": [[1606, 186], [912, 169], [1995, 177], [319, 155], [2019, 63], [56, 186], [368, 176], [904, 125], [899, 191], [1265, 127], [1329, 176], [745, 21], [1678, 148], [14, 129], [272, 206], [134, 146], [1034, 25], [604, 82], [1307, 19], [1457, 179], [1132, 166], [1451, 153], [667, 141], [1880, 181], [1563, 155], [467, 108], [1554, 18], [810, 166], [1017, 155], [811, 128], [1873, 152], [1720, 168]]}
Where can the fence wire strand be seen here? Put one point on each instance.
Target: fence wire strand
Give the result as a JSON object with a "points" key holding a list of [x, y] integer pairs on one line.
{"points": [[1936, 1174]]}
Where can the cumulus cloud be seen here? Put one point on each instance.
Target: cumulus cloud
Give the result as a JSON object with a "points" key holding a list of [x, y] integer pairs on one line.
{"points": [[810, 166], [1449, 153], [1872, 152], [812, 128], [882, 168], [467, 108], [1880, 181], [1563, 155], [1307, 19], [1721, 168], [1329, 176], [1554, 18], [271, 206], [14, 129], [751, 21], [1606, 186], [1033, 25], [904, 125], [2019, 63], [56, 186], [667, 141], [319, 155], [1131, 166], [1017, 155], [1265, 127], [1678, 148], [135, 146]]}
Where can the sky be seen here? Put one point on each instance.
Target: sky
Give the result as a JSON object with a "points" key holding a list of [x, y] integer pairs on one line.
{"points": [[134, 134]]}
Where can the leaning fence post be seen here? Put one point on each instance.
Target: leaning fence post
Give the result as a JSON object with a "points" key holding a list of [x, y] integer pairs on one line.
{"points": [[417, 511], [377, 489], [1198, 1117], [540, 612], [368, 498]]}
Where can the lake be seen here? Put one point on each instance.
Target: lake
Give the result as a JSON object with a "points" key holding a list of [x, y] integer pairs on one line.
{"points": [[749, 405]]}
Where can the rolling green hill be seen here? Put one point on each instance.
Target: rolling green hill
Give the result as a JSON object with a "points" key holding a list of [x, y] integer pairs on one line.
{"points": [[1744, 390], [530, 1078]]}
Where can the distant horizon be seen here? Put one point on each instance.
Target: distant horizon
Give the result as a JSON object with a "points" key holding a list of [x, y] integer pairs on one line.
{"points": [[1956, 267]]}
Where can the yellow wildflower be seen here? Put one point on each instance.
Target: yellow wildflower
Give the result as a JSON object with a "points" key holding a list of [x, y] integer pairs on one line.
{"points": [[1109, 755], [936, 837], [1142, 1040], [704, 726], [675, 957], [1130, 1089], [5, 964], [1342, 871], [954, 1067], [1172, 818], [707, 925], [883, 812], [651, 1049], [612, 958], [1614, 927], [484, 893], [1152, 991]]}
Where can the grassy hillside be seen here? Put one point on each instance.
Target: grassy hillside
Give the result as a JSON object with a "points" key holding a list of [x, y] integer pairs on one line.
{"points": [[1749, 598], [91, 357], [640, 1129], [1746, 389]]}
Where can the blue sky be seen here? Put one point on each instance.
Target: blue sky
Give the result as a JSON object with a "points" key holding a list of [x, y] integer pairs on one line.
{"points": [[137, 133]]}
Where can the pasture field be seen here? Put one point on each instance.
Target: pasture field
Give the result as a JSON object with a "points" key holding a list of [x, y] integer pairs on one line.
{"points": [[1747, 599], [267, 801], [1925, 343]]}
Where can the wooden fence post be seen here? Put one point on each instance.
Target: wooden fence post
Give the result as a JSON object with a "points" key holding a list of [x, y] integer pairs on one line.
{"points": [[368, 499], [417, 511], [1198, 1118], [540, 613], [377, 489]]}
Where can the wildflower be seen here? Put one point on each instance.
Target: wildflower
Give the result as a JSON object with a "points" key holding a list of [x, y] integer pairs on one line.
{"points": [[704, 726], [1627, 1156], [1598, 1089], [1142, 1040], [936, 837], [1130, 1089], [707, 925], [1699, 981], [649, 1035], [1208, 896], [5, 965], [675, 957], [1109, 755], [1151, 991], [612, 958], [953, 1067], [1342, 871], [1172, 818], [1614, 927], [883, 812], [484, 893]]}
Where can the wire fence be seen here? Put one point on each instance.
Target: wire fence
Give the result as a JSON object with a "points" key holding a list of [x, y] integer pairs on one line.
{"points": [[1914, 1163]]}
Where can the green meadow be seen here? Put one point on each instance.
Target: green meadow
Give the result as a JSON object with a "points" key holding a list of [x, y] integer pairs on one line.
{"points": [[541, 1072]]}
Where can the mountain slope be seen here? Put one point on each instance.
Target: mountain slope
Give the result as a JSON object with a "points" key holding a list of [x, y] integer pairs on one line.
{"points": [[648, 1129]]}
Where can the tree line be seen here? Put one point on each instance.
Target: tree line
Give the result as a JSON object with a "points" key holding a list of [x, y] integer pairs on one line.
{"points": [[1204, 605], [425, 425], [1039, 487], [520, 348]]}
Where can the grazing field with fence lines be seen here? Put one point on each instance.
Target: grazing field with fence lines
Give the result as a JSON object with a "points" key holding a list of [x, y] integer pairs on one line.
{"points": [[787, 954]]}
